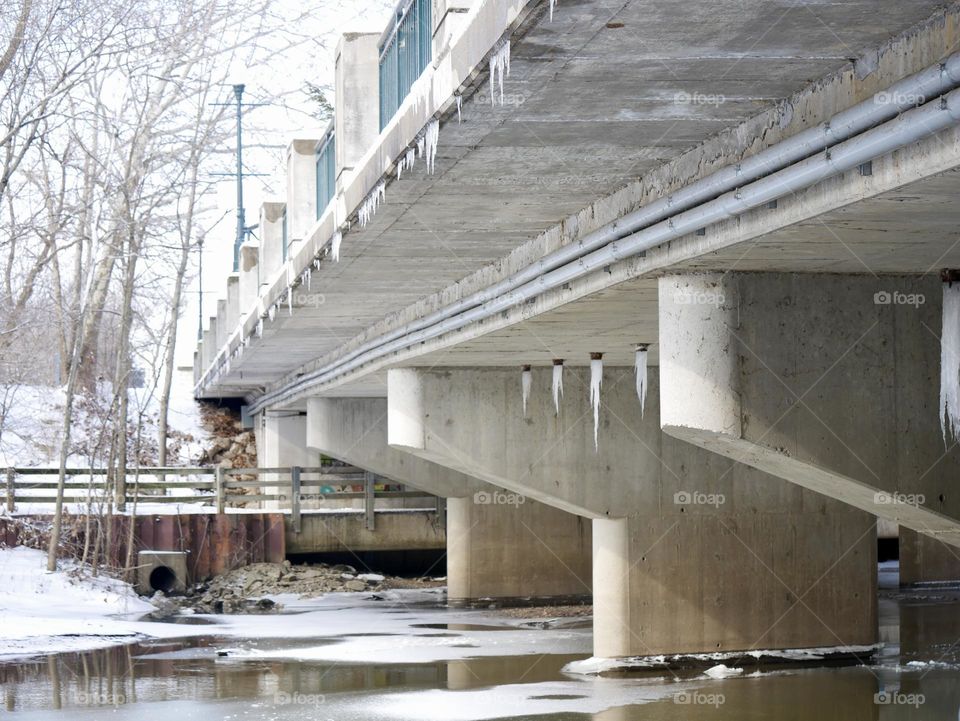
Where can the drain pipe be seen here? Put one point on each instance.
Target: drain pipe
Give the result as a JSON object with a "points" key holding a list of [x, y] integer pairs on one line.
{"points": [[908, 128], [904, 95]]}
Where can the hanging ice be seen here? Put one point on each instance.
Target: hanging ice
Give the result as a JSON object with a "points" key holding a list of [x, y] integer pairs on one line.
{"points": [[290, 300], [432, 138], [596, 380], [640, 368], [499, 66], [335, 245], [526, 383], [421, 144], [369, 206], [407, 161], [552, 5], [950, 362], [272, 313], [308, 276], [316, 263], [260, 328], [459, 109], [557, 384]]}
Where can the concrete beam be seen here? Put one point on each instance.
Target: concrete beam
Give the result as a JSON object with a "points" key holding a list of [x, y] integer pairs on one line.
{"points": [[233, 302], [357, 87], [301, 189], [271, 243], [827, 381], [472, 420], [354, 430], [249, 275]]}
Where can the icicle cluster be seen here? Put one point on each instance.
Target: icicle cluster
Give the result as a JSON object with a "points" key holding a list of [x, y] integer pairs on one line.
{"points": [[432, 139], [596, 380], [406, 162], [950, 363], [526, 383], [557, 384], [369, 206], [335, 246], [640, 368], [499, 66]]}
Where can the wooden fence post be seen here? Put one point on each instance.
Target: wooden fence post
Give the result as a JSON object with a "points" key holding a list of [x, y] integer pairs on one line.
{"points": [[11, 490], [369, 500], [221, 491], [295, 498]]}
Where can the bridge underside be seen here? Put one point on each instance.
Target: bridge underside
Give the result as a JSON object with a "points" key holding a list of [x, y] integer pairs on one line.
{"points": [[793, 365]]}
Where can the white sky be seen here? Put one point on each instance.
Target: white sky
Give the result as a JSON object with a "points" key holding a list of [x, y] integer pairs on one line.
{"points": [[267, 130]]}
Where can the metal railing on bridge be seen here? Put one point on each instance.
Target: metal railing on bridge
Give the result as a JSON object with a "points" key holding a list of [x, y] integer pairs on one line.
{"points": [[215, 488]]}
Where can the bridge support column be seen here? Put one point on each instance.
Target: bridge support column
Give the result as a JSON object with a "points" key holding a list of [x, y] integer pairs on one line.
{"points": [[282, 443], [691, 552], [827, 381], [499, 546]]}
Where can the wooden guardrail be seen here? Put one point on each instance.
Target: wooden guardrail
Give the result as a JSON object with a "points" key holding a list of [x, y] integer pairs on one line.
{"points": [[217, 487]]}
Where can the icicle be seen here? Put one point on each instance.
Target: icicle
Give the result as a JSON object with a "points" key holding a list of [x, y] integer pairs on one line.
{"points": [[308, 275], [552, 5], [260, 328], [526, 382], [335, 245], [950, 360], [459, 109], [272, 313], [369, 206], [596, 380], [316, 263], [421, 144], [640, 368], [432, 138], [557, 383], [246, 341], [499, 66], [290, 300]]}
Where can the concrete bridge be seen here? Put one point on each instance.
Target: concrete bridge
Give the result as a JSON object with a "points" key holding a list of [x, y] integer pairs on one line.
{"points": [[736, 221]]}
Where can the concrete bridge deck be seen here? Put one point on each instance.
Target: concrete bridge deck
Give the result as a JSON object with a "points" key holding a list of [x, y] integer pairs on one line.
{"points": [[761, 198]]}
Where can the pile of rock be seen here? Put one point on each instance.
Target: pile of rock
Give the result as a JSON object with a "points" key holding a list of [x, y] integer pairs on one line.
{"points": [[239, 451], [243, 590]]}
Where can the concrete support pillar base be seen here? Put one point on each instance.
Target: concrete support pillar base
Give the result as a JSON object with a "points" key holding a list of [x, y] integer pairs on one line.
{"points": [[504, 548]]}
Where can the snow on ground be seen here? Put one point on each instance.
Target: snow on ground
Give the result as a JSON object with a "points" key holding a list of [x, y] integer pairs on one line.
{"points": [[42, 612]]}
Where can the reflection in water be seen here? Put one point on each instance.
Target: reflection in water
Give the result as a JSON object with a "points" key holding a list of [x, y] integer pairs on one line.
{"points": [[916, 676]]}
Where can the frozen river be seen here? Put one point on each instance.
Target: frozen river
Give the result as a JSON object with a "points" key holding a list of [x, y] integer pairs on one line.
{"points": [[405, 656]]}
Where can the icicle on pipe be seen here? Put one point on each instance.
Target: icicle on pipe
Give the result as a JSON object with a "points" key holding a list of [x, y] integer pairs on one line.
{"points": [[432, 138], [335, 246], [640, 367], [499, 66], [526, 383], [596, 380], [950, 358], [557, 383]]}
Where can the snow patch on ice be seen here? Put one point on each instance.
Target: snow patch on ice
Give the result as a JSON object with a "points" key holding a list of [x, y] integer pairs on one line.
{"points": [[722, 671]]}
